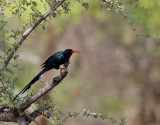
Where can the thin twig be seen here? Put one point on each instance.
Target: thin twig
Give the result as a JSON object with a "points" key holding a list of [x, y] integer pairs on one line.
{"points": [[31, 118], [8, 94], [3, 89], [123, 14], [130, 24], [7, 6], [66, 118], [27, 33], [58, 112], [81, 114]]}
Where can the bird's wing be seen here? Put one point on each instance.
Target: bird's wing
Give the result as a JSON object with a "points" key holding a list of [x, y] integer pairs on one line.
{"points": [[53, 60]]}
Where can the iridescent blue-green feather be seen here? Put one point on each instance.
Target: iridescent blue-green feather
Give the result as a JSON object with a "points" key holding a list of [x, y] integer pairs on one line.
{"points": [[53, 61]]}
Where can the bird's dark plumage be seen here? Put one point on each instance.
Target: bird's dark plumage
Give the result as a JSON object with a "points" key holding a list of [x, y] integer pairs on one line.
{"points": [[53, 61]]}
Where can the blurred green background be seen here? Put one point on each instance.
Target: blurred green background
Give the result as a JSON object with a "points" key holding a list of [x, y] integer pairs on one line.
{"points": [[116, 72]]}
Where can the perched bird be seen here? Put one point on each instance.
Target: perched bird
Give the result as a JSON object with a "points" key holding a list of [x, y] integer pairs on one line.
{"points": [[53, 61]]}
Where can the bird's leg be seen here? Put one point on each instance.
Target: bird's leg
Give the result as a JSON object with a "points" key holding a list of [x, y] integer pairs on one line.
{"points": [[61, 68]]}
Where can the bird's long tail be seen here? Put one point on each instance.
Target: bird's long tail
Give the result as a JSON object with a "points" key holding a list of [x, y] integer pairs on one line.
{"points": [[32, 82]]}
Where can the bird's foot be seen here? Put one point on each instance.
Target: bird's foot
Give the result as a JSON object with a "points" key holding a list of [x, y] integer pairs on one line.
{"points": [[61, 68]]}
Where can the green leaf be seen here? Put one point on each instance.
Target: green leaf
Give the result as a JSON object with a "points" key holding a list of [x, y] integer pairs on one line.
{"points": [[15, 57]]}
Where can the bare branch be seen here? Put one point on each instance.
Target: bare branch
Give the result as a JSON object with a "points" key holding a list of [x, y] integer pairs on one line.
{"points": [[7, 116], [27, 32], [31, 118], [23, 106], [22, 121], [37, 113]]}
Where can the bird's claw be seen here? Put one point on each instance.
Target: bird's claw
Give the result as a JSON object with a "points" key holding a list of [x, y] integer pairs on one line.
{"points": [[61, 68]]}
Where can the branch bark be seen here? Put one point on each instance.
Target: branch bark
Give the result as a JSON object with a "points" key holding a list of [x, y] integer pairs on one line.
{"points": [[22, 121], [7, 116], [12, 114], [26, 104], [27, 32]]}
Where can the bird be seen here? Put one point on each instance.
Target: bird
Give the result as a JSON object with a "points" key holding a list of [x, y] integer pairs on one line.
{"points": [[53, 62]]}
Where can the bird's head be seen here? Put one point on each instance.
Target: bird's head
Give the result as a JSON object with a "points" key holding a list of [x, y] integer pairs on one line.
{"points": [[69, 52]]}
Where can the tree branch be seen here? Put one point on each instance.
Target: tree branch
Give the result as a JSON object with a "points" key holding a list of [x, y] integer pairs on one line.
{"points": [[27, 103], [37, 113], [8, 114], [22, 121], [31, 118], [124, 15], [27, 32]]}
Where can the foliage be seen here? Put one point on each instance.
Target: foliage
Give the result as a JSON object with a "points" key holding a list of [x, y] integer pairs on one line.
{"points": [[94, 115], [18, 9], [32, 10], [26, 12]]}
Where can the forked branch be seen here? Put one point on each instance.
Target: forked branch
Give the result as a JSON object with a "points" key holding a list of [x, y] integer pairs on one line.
{"points": [[13, 114]]}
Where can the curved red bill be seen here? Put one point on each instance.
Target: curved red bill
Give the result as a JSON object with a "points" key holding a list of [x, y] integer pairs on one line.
{"points": [[75, 51]]}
